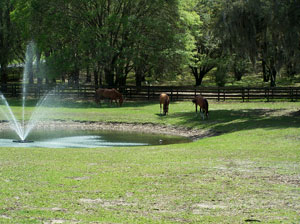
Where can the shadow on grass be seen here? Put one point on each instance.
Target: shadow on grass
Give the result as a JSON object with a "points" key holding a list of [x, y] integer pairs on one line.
{"points": [[75, 103], [227, 121]]}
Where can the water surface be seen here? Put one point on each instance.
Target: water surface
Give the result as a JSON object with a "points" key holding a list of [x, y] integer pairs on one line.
{"points": [[87, 139]]}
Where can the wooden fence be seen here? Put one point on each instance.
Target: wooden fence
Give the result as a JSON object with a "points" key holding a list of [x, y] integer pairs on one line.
{"points": [[176, 93]]}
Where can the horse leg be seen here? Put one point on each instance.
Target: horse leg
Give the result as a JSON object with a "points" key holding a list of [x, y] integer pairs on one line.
{"points": [[202, 114]]}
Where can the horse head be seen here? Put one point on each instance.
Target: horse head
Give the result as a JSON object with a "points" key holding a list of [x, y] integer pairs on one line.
{"points": [[121, 100], [166, 106]]}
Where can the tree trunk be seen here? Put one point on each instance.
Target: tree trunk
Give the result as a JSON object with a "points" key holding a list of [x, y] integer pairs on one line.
{"points": [[96, 78], [76, 76], [4, 76], [291, 70], [273, 74], [38, 68], [109, 77], [88, 75], [138, 79], [122, 80], [198, 80], [265, 74], [63, 79], [200, 73]]}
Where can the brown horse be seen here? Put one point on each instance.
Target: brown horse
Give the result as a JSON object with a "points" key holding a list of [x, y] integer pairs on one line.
{"points": [[203, 104], [111, 94], [164, 100]]}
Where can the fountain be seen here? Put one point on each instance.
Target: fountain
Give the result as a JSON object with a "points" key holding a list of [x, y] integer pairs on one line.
{"points": [[20, 128], [61, 138]]}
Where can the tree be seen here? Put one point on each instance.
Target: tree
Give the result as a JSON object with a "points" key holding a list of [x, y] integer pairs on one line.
{"points": [[261, 29], [110, 37], [201, 43], [8, 35]]}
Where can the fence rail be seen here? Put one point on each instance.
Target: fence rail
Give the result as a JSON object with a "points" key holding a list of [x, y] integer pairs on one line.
{"points": [[176, 93]]}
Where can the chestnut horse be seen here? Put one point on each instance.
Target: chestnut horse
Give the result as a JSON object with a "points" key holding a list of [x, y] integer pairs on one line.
{"points": [[203, 104], [111, 94], [164, 100]]}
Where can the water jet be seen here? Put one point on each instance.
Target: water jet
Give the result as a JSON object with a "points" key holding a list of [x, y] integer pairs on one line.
{"points": [[20, 127]]}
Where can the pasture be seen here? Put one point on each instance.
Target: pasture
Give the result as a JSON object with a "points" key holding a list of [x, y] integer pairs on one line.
{"points": [[249, 172]]}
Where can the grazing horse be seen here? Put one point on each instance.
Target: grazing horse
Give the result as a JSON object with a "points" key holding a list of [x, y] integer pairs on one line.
{"points": [[111, 94], [203, 104], [164, 100]]}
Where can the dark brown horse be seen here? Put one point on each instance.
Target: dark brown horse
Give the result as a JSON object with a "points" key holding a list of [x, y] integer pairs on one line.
{"points": [[111, 94], [165, 101], [203, 104]]}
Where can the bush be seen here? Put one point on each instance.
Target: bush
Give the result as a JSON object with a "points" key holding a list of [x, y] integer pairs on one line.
{"points": [[221, 74]]}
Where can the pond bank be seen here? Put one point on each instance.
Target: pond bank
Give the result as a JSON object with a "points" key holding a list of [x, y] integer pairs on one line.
{"points": [[191, 133]]}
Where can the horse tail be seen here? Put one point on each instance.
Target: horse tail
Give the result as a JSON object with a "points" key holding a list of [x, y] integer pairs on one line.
{"points": [[206, 104], [194, 100]]}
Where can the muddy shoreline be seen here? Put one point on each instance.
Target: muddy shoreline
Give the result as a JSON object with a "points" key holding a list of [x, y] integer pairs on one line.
{"points": [[193, 134]]}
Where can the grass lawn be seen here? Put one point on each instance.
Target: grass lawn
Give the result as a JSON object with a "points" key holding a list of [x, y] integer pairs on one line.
{"points": [[249, 172]]}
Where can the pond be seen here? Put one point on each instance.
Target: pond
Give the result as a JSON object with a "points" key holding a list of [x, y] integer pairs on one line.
{"points": [[87, 139]]}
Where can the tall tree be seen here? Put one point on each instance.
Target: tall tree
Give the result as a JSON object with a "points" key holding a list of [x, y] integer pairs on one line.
{"points": [[109, 36], [201, 43], [7, 38], [261, 29]]}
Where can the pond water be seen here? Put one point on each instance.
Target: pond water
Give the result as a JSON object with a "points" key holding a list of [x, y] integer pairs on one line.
{"points": [[87, 139]]}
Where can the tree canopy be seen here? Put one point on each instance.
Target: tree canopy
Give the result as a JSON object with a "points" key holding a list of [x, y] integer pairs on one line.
{"points": [[109, 41]]}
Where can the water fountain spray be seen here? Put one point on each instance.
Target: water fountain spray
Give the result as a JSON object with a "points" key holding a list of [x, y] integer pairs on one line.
{"points": [[20, 127]]}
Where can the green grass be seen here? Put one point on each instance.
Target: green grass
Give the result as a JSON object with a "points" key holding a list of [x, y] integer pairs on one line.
{"points": [[249, 171]]}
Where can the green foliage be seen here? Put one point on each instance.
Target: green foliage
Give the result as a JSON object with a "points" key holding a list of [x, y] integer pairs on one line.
{"points": [[9, 38], [239, 66], [221, 72], [261, 29], [152, 39], [201, 45]]}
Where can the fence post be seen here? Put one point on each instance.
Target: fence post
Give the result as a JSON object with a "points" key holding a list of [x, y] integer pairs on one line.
{"points": [[218, 93], [268, 94], [292, 94], [14, 90], [243, 94], [130, 94], [248, 89]]}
